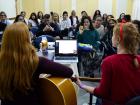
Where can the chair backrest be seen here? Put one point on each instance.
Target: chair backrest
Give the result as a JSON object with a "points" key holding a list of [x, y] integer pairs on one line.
{"points": [[37, 41], [134, 101]]}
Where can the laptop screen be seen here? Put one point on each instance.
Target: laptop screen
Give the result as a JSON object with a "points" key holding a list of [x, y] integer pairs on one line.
{"points": [[66, 47]]}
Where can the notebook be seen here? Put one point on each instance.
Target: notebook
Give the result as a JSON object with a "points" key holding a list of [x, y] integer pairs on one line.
{"points": [[66, 51]]}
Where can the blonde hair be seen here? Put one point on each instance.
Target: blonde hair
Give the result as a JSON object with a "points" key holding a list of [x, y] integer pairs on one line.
{"points": [[56, 15], [130, 38], [18, 61]]}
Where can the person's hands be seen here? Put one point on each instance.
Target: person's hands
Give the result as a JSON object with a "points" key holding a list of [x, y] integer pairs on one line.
{"points": [[48, 28], [51, 29], [79, 83]]}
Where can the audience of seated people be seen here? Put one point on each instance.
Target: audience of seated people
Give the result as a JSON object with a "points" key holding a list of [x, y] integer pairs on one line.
{"points": [[86, 29], [55, 26]]}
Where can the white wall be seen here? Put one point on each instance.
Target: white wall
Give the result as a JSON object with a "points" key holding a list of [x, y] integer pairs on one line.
{"points": [[105, 6], [121, 7], [8, 6]]}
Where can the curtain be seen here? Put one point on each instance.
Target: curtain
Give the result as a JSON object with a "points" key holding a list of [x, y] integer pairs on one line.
{"points": [[105, 6], [136, 10], [121, 6]]}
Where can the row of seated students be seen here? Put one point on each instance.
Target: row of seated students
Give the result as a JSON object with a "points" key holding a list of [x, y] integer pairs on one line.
{"points": [[50, 24], [64, 24]]}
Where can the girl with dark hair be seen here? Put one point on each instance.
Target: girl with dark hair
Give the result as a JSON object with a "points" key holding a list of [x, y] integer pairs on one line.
{"points": [[40, 16], [87, 34], [97, 14], [33, 23], [121, 17], [19, 18]]}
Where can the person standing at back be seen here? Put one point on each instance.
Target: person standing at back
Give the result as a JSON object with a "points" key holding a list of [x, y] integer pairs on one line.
{"points": [[121, 71], [20, 68]]}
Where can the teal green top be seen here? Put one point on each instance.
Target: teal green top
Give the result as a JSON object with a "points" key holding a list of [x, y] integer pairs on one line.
{"points": [[89, 37]]}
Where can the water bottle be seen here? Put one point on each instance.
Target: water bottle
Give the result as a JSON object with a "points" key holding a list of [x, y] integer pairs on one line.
{"points": [[44, 46]]}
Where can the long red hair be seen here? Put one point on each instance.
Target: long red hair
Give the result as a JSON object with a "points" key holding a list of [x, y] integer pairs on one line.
{"points": [[18, 61]]}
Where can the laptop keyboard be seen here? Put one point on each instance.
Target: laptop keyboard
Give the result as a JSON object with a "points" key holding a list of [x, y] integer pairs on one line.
{"points": [[65, 58]]}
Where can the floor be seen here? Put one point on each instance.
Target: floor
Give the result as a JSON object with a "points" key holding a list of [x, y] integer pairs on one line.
{"points": [[83, 96]]}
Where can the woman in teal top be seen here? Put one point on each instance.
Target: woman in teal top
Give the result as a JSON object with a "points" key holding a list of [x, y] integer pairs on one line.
{"points": [[87, 34]]}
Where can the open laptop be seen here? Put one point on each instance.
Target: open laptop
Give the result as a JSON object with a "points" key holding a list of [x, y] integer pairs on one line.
{"points": [[66, 51]]}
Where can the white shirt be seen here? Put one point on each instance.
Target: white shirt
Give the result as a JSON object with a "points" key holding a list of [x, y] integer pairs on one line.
{"points": [[65, 24], [33, 23], [74, 21]]}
